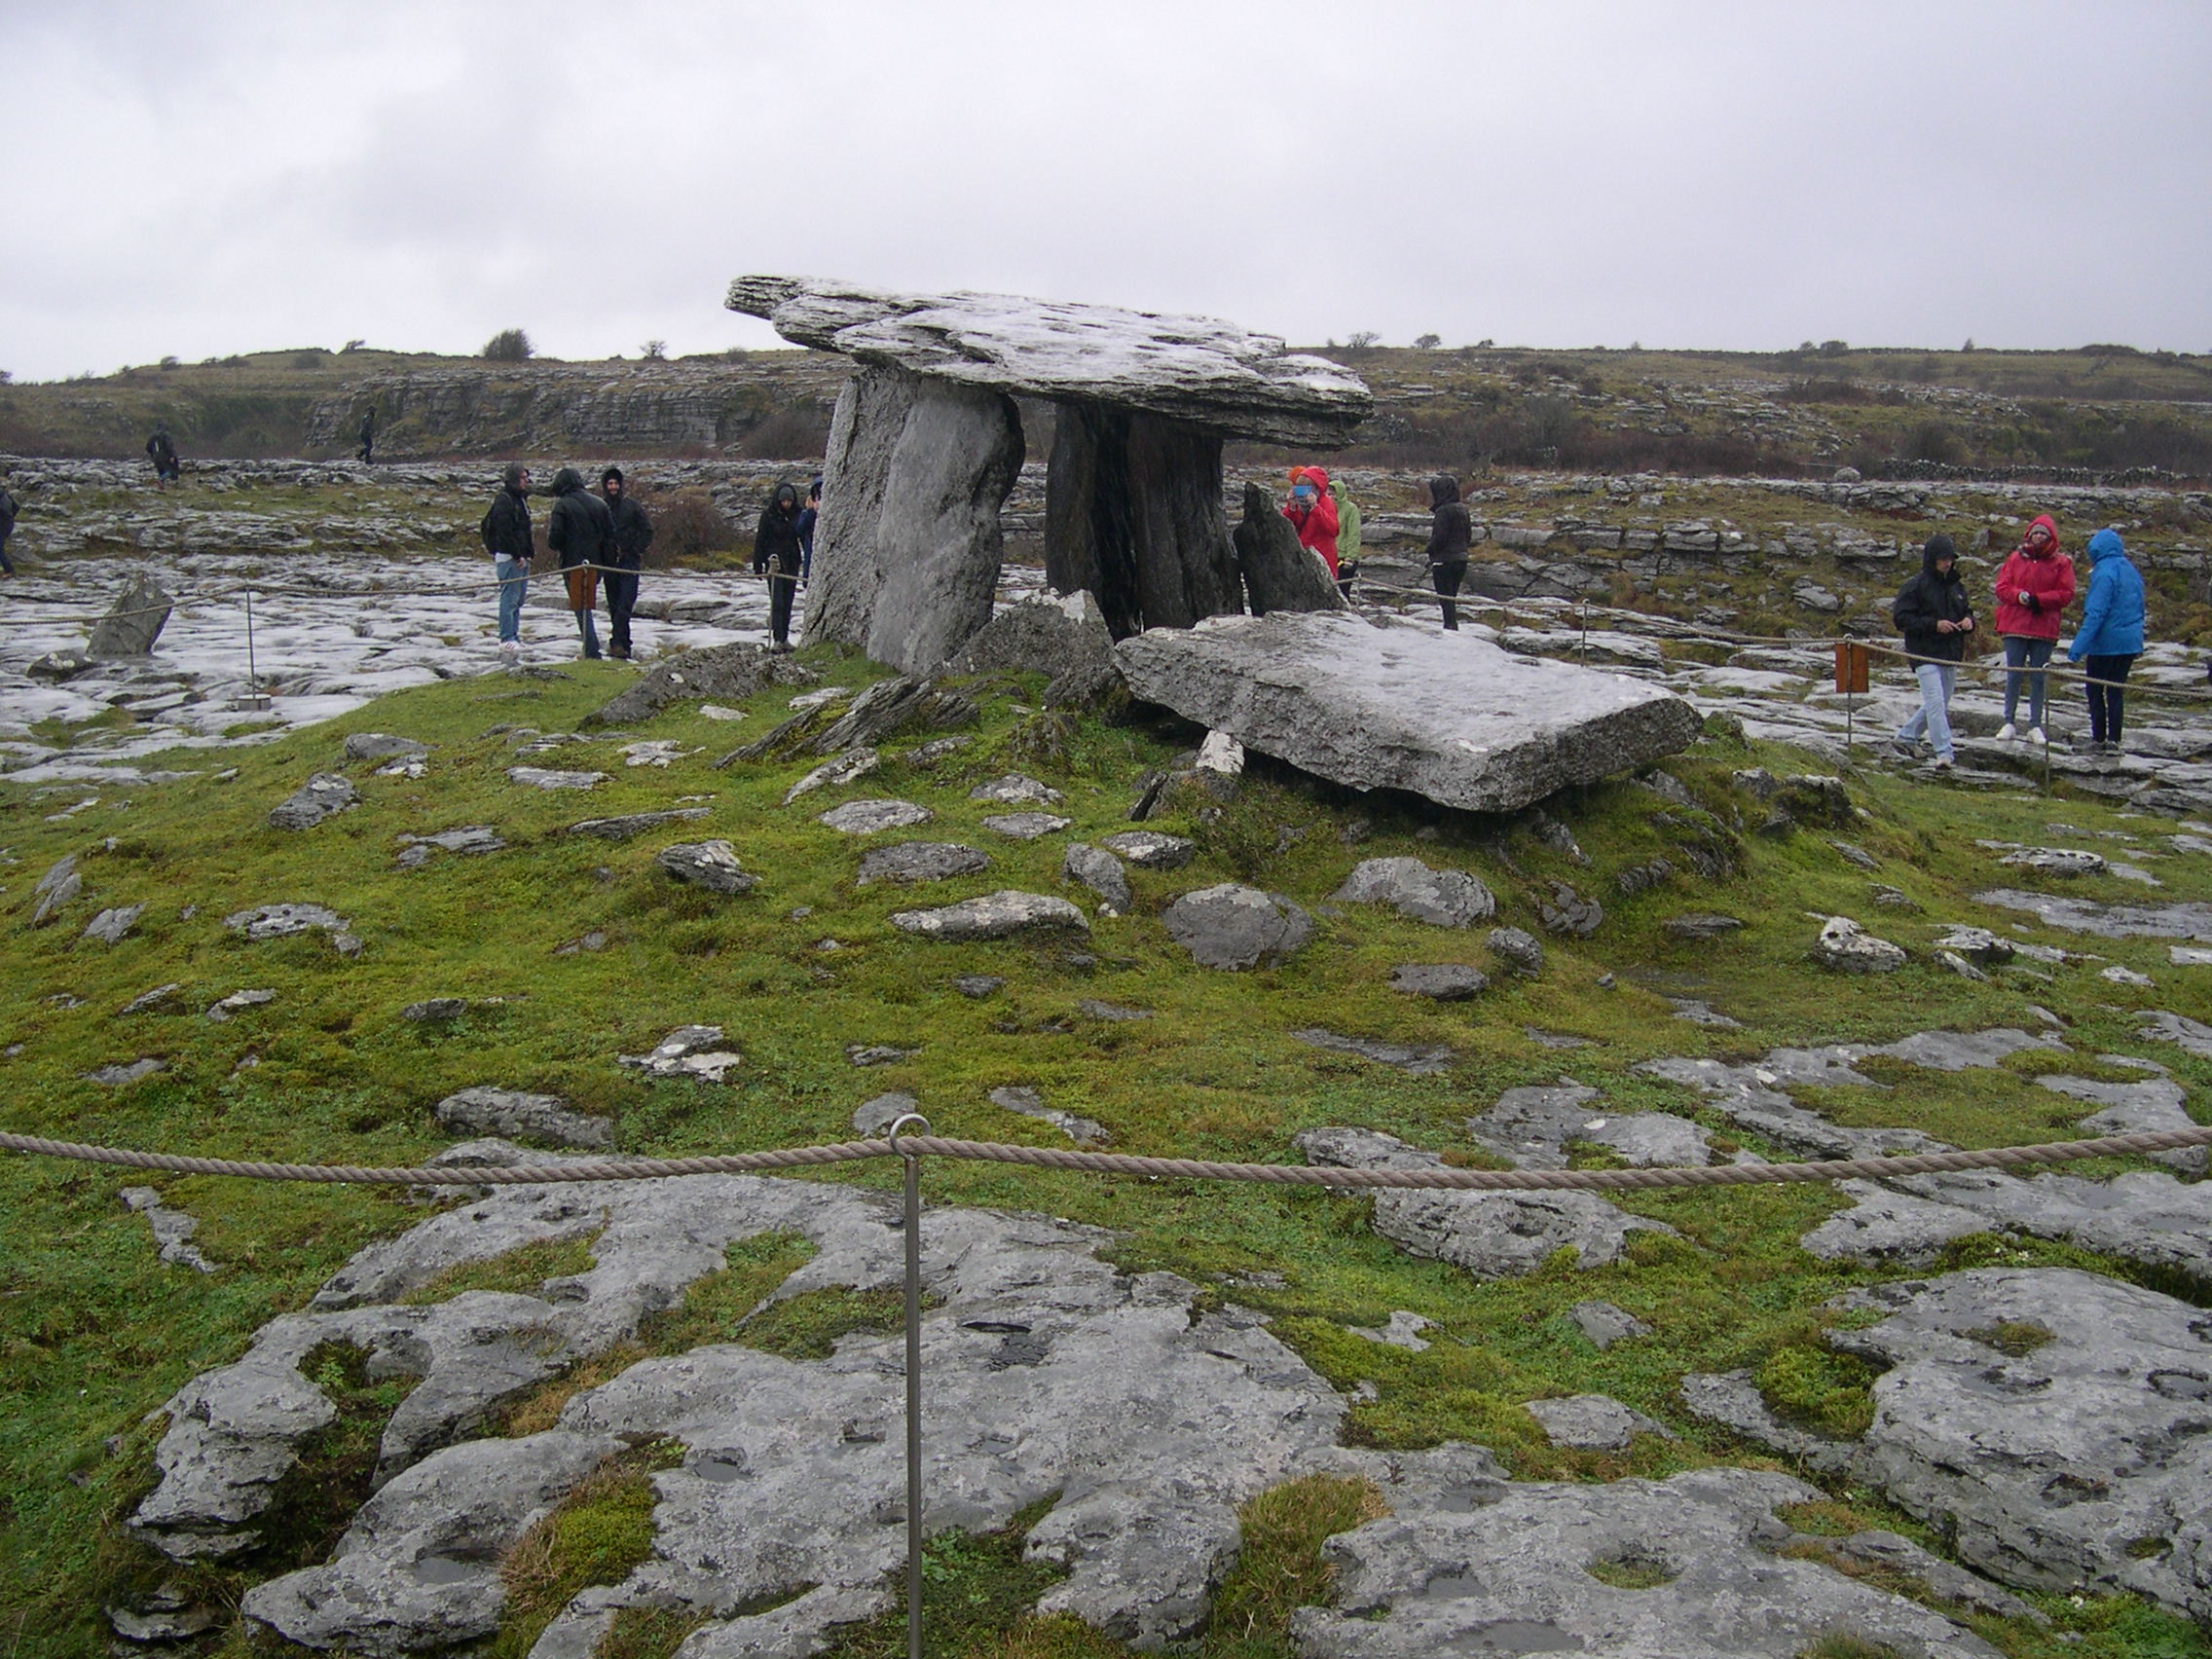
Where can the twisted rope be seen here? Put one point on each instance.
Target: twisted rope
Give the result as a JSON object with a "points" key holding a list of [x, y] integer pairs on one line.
{"points": [[1123, 1163]]}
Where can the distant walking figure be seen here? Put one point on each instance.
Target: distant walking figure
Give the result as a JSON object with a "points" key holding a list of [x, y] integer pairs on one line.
{"points": [[368, 436], [1450, 537], [507, 537], [164, 454], [777, 555], [2111, 636], [633, 535], [2035, 584], [1935, 615], [581, 531], [8, 511]]}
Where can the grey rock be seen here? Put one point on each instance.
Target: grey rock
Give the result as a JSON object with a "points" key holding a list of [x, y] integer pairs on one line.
{"points": [[690, 1051], [1853, 854], [729, 673], [1847, 947], [633, 823], [282, 921], [873, 1117], [997, 916], [172, 1229], [1531, 1128], [538, 778], [236, 1003], [1699, 1012], [64, 664], [1403, 1329], [1594, 1423], [1046, 633], [927, 757], [1700, 926], [872, 816], [2108, 921], [156, 1001], [1605, 1324], [508, 1113], [1468, 1564], [320, 796], [1232, 927], [1101, 873], [1441, 898], [1454, 720], [1112, 1012], [1025, 825], [1636, 878], [1084, 1131], [109, 926], [877, 1053], [1523, 951], [1888, 1226], [712, 864], [2140, 1216], [132, 623], [976, 986], [910, 862], [906, 702], [1960, 966], [1977, 945], [1811, 596], [2056, 861], [383, 746], [1442, 982], [435, 1009], [1150, 849], [415, 850], [121, 1075], [1279, 574], [846, 768], [1568, 912], [2136, 1108], [1424, 1061], [57, 887], [1014, 790], [2194, 1035]]}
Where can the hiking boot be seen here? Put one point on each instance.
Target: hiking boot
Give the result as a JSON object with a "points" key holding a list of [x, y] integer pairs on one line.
{"points": [[2006, 733]]}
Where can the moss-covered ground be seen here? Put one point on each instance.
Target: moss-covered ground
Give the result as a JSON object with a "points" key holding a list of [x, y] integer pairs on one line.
{"points": [[95, 1333]]}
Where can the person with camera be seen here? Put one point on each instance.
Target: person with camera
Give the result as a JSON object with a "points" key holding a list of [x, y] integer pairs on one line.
{"points": [[1313, 512]]}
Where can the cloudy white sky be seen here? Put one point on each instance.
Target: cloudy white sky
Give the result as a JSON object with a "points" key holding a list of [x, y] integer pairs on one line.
{"points": [[202, 178]]}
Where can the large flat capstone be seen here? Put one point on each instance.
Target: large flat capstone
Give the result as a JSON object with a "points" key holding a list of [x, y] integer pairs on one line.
{"points": [[1398, 707]]}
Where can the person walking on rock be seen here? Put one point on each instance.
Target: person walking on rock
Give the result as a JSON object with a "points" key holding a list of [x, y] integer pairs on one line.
{"points": [[1313, 512], [777, 555], [808, 517], [1451, 534], [9, 510], [2035, 584], [368, 436], [162, 451], [2111, 636], [1936, 616], [633, 535], [507, 537], [1348, 537], [582, 531]]}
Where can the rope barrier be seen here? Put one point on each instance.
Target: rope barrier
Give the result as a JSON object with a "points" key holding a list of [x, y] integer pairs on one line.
{"points": [[1440, 1178]]}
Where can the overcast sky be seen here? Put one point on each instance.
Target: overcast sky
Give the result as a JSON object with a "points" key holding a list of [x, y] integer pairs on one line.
{"points": [[208, 178]]}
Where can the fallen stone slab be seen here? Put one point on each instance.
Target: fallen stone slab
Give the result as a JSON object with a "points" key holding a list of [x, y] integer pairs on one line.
{"points": [[383, 746], [321, 796], [236, 1003], [415, 850], [1442, 982], [1232, 927], [690, 1051], [1698, 927], [1150, 849], [729, 673], [172, 1229], [1101, 873], [284, 921], [872, 816], [996, 915], [910, 862], [538, 778], [2056, 861], [514, 1114], [2107, 921], [830, 774], [1026, 825], [635, 823], [1423, 1061], [1028, 1103], [1594, 1423], [1455, 720], [712, 864], [1467, 1562], [1441, 898], [57, 887], [1846, 947], [110, 926]]}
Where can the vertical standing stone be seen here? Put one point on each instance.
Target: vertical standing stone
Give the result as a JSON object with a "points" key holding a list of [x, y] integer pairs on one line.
{"points": [[132, 623], [1280, 574], [1088, 544], [907, 556]]}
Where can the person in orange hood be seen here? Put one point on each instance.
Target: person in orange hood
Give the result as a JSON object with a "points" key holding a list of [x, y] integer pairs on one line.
{"points": [[2035, 584], [1315, 513]]}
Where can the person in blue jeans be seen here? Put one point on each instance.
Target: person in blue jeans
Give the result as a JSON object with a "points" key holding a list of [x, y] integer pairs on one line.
{"points": [[507, 537], [2111, 636], [1936, 616]]}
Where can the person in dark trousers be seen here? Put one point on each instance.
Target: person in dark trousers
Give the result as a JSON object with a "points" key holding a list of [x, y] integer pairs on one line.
{"points": [[8, 512], [777, 555], [507, 537], [162, 451], [808, 515], [1935, 615], [633, 535], [582, 531], [2111, 636], [368, 436], [1450, 536]]}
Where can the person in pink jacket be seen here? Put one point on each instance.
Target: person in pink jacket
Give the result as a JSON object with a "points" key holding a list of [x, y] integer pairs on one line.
{"points": [[2035, 584]]}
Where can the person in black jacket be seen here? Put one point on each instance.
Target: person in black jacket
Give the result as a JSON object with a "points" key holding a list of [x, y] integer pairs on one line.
{"points": [[8, 511], [1935, 616], [776, 555], [808, 516], [581, 531], [633, 535], [507, 537], [368, 436], [161, 449], [1449, 538]]}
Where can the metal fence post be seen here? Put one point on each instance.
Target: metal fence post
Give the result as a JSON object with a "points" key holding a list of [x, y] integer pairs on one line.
{"points": [[253, 699], [913, 1123]]}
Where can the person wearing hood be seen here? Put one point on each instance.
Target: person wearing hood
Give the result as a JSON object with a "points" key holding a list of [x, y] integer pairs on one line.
{"points": [[2111, 636], [1313, 512], [367, 455], [633, 535], [505, 530], [1935, 616], [1348, 537], [161, 449], [1450, 534], [2035, 584], [581, 531], [776, 555]]}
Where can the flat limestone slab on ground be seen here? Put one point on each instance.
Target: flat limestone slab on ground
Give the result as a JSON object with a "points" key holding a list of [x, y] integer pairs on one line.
{"points": [[1452, 718]]}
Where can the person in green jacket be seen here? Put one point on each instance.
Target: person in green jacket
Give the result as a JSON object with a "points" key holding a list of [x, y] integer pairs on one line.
{"points": [[1348, 537]]}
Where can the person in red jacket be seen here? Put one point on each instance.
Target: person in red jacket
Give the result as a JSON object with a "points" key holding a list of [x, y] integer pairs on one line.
{"points": [[2035, 584], [1315, 513]]}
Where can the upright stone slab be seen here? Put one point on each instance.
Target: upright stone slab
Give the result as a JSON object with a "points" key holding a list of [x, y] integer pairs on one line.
{"points": [[132, 623], [1277, 571], [906, 557], [1398, 707]]}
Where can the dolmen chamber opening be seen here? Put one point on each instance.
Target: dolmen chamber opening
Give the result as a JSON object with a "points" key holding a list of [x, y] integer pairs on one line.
{"points": [[925, 444]]}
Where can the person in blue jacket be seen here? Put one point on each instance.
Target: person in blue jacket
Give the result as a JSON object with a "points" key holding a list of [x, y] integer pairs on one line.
{"points": [[2111, 636]]}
